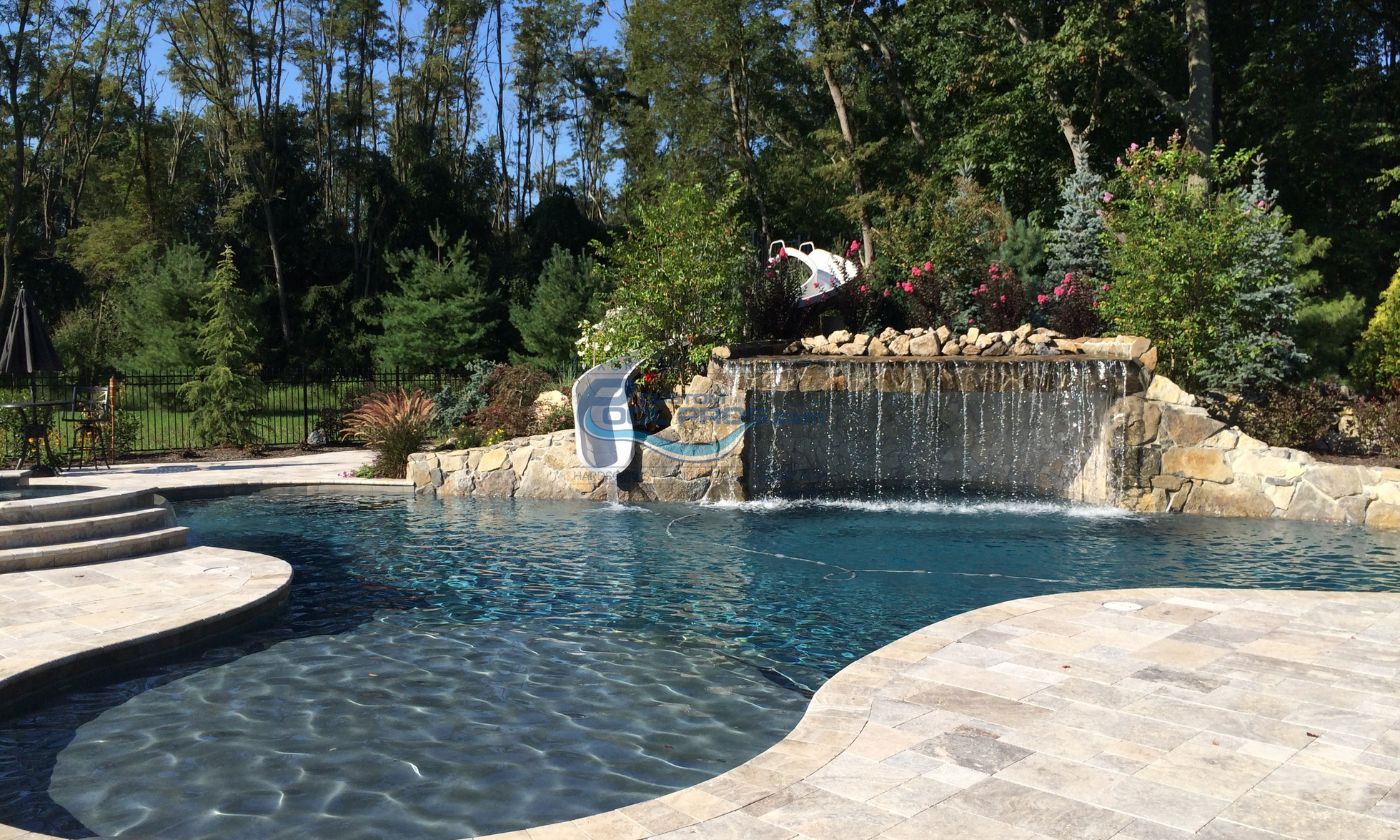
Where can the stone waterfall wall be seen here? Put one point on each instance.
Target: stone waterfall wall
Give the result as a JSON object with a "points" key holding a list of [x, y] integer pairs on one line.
{"points": [[547, 466], [1179, 459]]}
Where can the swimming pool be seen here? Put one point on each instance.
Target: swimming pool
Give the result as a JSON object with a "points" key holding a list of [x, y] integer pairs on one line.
{"points": [[450, 667]]}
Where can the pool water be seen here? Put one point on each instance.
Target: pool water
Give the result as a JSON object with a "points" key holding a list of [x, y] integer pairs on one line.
{"points": [[453, 667], [11, 494]]}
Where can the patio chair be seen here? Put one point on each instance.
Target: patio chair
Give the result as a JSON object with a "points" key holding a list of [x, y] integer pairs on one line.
{"points": [[91, 417]]}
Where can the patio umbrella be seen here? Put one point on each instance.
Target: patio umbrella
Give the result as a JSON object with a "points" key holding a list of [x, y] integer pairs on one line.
{"points": [[28, 349]]}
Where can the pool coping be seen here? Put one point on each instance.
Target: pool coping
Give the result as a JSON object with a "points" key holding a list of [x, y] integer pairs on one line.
{"points": [[857, 717]]}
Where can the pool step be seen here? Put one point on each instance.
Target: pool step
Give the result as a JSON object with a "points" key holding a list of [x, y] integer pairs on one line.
{"points": [[84, 530], [92, 551], [75, 506]]}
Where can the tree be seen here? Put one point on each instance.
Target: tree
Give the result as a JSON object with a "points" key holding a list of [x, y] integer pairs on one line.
{"points": [[675, 277], [1376, 365], [159, 311], [444, 313], [568, 292], [1077, 244], [225, 396]]}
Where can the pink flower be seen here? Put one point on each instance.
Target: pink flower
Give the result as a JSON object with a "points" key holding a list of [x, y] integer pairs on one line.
{"points": [[853, 247], [782, 253], [1068, 276], [1106, 197], [907, 287], [863, 288], [1105, 287], [1059, 291], [1003, 298], [1133, 147], [885, 293], [1041, 299], [1261, 204], [982, 288], [915, 272], [928, 266]]}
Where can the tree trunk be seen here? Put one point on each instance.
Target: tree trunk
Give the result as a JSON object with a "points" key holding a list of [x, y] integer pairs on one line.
{"points": [[283, 320], [1200, 101], [838, 100]]}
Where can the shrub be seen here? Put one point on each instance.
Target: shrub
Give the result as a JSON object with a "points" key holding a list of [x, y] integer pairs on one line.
{"points": [[1202, 269], [936, 250], [1376, 365], [1000, 300], [158, 311], [675, 277], [770, 300], [462, 398], [1072, 306], [510, 402], [1077, 248], [1024, 249], [395, 424], [224, 397], [1378, 424], [1299, 417]]}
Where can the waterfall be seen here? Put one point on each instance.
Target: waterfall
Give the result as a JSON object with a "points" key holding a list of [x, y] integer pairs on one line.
{"points": [[917, 428]]}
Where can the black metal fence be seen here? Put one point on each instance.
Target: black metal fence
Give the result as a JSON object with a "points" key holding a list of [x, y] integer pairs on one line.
{"points": [[150, 415]]}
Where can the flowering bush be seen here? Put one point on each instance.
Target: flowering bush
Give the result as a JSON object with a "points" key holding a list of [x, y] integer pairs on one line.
{"points": [[1001, 299], [1072, 306], [510, 401], [395, 424], [770, 301], [1201, 264], [939, 246]]}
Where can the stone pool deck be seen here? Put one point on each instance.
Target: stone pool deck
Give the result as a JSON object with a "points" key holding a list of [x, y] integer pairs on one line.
{"points": [[1210, 713]]}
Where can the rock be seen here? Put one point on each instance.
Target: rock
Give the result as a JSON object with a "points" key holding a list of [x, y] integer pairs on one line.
{"points": [[550, 401], [839, 337], [1046, 331], [1022, 348], [1224, 439], [1204, 464], [453, 461], [493, 459], [878, 348], [1336, 480], [1023, 331], [1164, 390], [943, 334], [914, 332], [720, 352], [1312, 505], [996, 348], [900, 345], [1066, 345], [1148, 361], [813, 378], [853, 349], [952, 348], [924, 345], [417, 472], [973, 333], [813, 344], [1228, 500], [1383, 515], [1046, 350], [1008, 337], [793, 349], [971, 350], [520, 458], [1188, 426], [983, 341], [316, 438], [888, 334], [1037, 338], [860, 339], [1266, 467], [1142, 420], [699, 384], [497, 484]]}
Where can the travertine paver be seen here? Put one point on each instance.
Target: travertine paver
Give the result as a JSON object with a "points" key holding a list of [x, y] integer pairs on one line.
{"points": [[1205, 713], [318, 468]]}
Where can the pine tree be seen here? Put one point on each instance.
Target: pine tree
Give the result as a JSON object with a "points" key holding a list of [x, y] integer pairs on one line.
{"points": [[567, 293], [225, 396], [444, 314], [1076, 245]]}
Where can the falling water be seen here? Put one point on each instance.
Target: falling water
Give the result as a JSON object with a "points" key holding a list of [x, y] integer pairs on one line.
{"points": [[1023, 426]]}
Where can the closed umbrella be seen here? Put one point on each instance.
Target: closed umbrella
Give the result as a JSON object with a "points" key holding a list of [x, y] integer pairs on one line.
{"points": [[28, 349]]}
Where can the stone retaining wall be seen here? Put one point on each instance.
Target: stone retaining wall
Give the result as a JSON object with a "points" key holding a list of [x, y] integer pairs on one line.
{"points": [[1179, 459]]}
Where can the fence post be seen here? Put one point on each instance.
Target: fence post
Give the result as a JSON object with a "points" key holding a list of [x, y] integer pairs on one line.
{"points": [[305, 408], [112, 419]]}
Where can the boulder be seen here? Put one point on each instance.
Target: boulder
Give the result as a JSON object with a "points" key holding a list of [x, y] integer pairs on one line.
{"points": [[1269, 468], [984, 340], [1067, 345], [493, 459], [852, 349], [924, 345], [878, 348], [1383, 515], [1203, 464], [1037, 338], [1336, 480], [839, 337], [1023, 331], [943, 334], [1228, 500], [900, 345], [996, 348], [813, 344], [973, 333], [496, 484], [860, 340], [1164, 390], [951, 348], [888, 334], [1312, 505], [1188, 426], [316, 438]]}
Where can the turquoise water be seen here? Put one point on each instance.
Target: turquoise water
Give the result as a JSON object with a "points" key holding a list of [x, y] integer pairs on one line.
{"points": [[450, 667]]}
